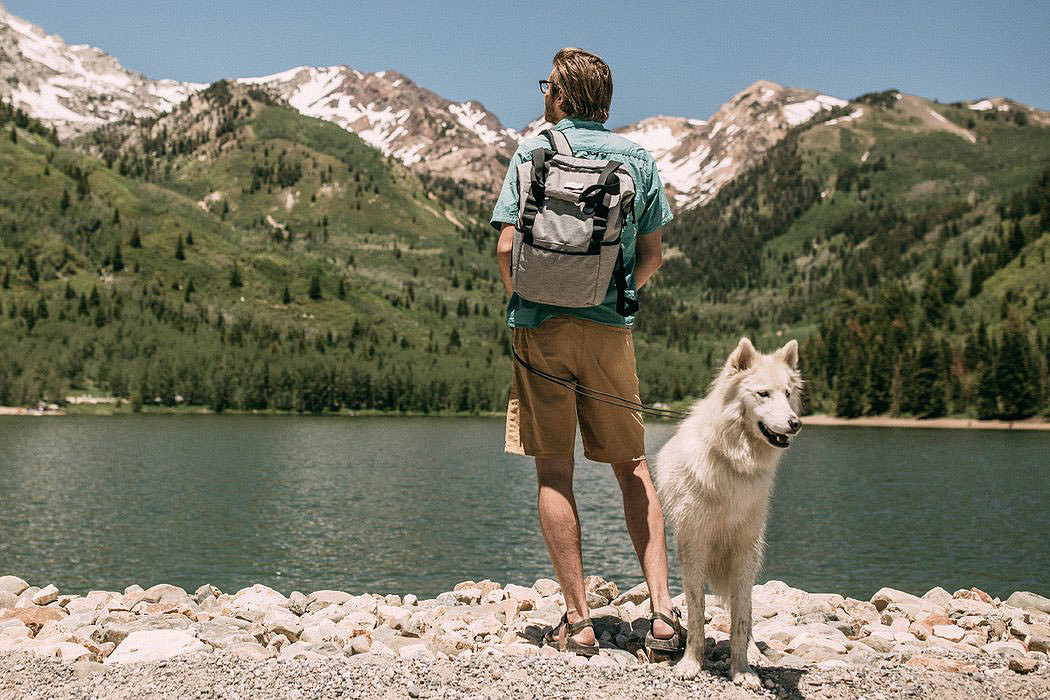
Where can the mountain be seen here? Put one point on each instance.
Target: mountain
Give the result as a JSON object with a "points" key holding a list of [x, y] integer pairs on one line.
{"points": [[75, 88], [696, 157], [457, 140], [235, 252]]}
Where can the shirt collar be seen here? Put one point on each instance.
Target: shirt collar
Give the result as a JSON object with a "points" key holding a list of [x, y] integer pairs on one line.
{"points": [[571, 122]]}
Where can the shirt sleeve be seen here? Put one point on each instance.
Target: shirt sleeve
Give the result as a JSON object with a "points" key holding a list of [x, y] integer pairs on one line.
{"points": [[657, 210], [506, 209]]}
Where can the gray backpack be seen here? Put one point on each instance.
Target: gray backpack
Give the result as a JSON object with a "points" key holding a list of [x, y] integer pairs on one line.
{"points": [[570, 214]]}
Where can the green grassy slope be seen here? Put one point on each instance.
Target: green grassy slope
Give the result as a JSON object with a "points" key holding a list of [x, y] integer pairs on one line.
{"points": [[856, 227], [393, 300]]}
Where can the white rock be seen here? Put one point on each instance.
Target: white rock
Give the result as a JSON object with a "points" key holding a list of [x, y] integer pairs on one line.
{"points": [[636, 595], [494, 596], [324, 630], [410, 599], [283, 622], [395, 617], [486, 625], [380, 649], [807, 639], [515, 592], [258, 597], [416, 651], [13, 584], [938, 596], [546, 587], [1008, 649], [885, 596], [154, 645], [254, 652], [327, 597], [47, 594], [467, 595], [359, 644]]}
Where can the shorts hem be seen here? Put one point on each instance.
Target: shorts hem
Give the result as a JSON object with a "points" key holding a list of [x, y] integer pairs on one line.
{"points": [[604, 460]]}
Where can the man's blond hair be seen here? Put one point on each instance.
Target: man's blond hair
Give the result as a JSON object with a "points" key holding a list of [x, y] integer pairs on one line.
{"points": [[584, 81]]}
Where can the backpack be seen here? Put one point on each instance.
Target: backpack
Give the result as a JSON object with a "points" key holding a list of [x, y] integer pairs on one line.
{"points": [[571, 212]]}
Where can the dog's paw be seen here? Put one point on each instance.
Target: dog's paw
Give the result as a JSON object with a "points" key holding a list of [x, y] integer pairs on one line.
{"points": [[747, 678], [687, 669]]}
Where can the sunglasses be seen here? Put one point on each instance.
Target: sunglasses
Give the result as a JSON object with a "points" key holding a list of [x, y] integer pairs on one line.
{"points": [[546, 85]]}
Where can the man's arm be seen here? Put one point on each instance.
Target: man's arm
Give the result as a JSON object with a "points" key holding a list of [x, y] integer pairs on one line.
{"points": [[503, 250], [648, 257]]}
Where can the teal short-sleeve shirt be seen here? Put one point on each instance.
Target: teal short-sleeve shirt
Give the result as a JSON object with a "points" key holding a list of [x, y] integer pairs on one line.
{"points": [[589, 140]]}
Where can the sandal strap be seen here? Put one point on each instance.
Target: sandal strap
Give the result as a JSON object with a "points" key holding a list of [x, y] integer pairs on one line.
{"points": [[574, 627], [675, 622]]}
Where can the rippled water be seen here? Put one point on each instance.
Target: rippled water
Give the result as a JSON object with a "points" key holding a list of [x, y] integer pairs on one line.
{"points": [[398, 505]]}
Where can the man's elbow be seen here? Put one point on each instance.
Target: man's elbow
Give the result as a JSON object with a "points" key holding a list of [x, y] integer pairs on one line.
{"points": [[653, 259]]}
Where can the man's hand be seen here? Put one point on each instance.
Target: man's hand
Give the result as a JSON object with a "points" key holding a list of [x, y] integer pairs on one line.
{"points": [[647, 257], [503, 251]]}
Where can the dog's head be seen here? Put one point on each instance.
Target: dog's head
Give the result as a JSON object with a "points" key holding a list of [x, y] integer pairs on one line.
{"points": [[766, 388]]}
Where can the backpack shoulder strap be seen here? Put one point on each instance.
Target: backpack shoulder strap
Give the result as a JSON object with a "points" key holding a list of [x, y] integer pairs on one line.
{"points": [[559, 141]]}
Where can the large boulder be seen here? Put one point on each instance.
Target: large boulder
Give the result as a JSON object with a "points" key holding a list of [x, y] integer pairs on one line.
{"points": [[1029, 601], [885, 596], [154, 645], [47, 594], [258, 598], [13, 584], [34, 616]]}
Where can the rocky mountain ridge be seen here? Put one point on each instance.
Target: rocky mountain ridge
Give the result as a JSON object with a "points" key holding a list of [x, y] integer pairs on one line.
{"points": [[79, 88], [75, 87]]}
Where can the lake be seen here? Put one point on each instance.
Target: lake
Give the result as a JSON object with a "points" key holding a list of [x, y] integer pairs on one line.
{"points": [[400, 505]]}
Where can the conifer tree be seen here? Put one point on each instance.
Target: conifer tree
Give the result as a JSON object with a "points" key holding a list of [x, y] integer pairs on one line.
{"points": [[849, 385], [286, 296], [235, 277], [315, 287], [1017, 378], [136, 240], [117, 258], [180, 253], [987, 392]]}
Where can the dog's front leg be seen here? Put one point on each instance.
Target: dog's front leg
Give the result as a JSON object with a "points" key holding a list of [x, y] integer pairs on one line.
{"points": [[691, 562], [740, 633]]}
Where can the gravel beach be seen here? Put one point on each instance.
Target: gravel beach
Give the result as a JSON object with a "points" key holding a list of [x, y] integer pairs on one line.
{"points": [[481, 640]]}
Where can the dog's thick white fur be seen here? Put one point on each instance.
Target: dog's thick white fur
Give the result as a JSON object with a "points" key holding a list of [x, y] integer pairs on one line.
{"points": [[714, 478]]}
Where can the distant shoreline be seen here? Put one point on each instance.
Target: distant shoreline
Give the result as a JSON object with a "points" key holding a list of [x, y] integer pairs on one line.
{"points": [[815, 419], [902, 422]]}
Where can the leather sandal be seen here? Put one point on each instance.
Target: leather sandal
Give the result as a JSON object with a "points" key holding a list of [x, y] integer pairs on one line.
{"points": [[676, 642], [552, 635]]}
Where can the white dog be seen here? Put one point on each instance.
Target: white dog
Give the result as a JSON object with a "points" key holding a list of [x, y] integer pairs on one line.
{"points": [[714, 478]]}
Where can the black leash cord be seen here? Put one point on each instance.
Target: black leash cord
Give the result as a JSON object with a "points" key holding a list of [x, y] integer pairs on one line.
{"points": [[596, 395]]}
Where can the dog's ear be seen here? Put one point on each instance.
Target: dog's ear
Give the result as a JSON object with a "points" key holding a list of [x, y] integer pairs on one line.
{"points": [[789, 354], [742, 357]]}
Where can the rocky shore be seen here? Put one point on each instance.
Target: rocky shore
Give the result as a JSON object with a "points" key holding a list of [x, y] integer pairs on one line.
{"points": [[482, 639]]}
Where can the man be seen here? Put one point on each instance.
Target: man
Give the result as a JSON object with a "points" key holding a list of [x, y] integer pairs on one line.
{"points": [[591, 345]]}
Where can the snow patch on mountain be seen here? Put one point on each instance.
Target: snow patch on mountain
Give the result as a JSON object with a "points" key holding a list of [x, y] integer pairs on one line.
{"points": [[801, 111], [76, 87]]}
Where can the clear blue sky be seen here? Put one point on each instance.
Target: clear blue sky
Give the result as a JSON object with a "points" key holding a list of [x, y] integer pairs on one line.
{"points": [[677, 58]]}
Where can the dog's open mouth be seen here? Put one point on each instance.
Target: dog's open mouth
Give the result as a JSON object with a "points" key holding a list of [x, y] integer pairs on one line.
{"points": [[775, 439]]}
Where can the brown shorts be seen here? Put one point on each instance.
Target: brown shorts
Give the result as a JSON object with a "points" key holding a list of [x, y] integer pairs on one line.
{"points": [[542, 415]]}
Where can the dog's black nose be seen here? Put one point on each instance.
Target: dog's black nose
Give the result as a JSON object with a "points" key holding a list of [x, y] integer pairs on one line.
{"points": [[794, 424]]}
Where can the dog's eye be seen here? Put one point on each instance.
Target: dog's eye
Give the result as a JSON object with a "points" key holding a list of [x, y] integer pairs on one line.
{"points": [[763, 394], [787, 393]]}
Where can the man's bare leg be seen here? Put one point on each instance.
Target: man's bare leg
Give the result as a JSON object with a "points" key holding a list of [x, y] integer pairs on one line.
{"points": [[560, 523], [645, 524]]}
